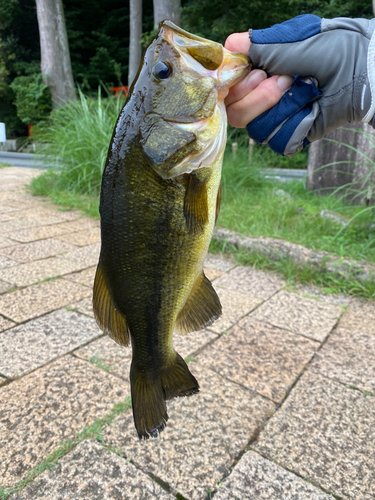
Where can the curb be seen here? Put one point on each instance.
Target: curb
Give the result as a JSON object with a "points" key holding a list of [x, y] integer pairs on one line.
{"points": [[277, 249]]}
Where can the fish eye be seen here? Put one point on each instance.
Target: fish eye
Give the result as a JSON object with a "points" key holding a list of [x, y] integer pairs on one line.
{"points": [[162, 70]]}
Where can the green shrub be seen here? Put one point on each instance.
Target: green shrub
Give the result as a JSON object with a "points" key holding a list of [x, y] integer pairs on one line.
{"points": [[77, 137], [33, 98]]}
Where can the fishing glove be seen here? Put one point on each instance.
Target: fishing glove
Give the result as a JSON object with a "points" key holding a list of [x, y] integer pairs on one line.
{"points": [[333, 63]]}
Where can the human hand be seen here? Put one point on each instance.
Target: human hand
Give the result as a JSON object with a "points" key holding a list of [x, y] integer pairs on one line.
{"points": [[256, 93], [334, 79]]}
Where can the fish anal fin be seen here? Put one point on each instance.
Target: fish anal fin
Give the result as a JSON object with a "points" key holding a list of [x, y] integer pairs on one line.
{"points": [[201, 308], [177, 380], [195, 203], [150, 391], [218, 202], [109, 319]]}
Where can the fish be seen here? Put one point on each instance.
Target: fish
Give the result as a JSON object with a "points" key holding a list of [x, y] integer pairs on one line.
{"points": [[159, 201]]}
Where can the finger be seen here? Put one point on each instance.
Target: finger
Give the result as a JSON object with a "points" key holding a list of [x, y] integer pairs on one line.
{"points": [[248, 84], [261, 99], [238, 42]]}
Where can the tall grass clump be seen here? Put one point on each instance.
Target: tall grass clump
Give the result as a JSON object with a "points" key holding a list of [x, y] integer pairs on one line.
{"points": [[76, 140]]}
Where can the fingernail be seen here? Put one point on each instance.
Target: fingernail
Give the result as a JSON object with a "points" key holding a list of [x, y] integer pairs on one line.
{"points": [[255, 77], [284, 82]]}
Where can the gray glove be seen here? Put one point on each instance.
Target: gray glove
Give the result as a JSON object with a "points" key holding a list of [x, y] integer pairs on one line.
{"points": [[333, 61]]}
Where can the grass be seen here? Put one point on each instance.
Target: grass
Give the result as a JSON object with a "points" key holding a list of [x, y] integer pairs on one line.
{"points": [[95, 360], [294, 273], [250, 206], [94, 431]]}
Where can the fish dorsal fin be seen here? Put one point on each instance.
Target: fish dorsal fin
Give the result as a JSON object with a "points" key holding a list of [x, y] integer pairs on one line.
{"points": [[110, 320], [218, 202], [195, 203], [201, 308]]}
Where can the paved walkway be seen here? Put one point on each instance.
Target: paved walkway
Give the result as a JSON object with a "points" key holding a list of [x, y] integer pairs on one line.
{"points": [[286, 409]]}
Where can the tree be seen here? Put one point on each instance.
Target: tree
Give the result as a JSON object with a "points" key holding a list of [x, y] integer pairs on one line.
{"points": [[167, 9], [135, 49], [55, 57]]}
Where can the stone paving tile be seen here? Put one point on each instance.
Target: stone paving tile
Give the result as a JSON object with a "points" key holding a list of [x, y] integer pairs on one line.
{"points": [[114, 357], [39, 270], [85, 277], [84, 306], [219, 263], [256, 478], [6, 262], [7, 228], [235, 306], [6, 242], [35, 343], [40, 233], [325, 433], [212, 274], [93, 473], [360, 316], [40, 299], [50, 405], [6, 217], [37, 211], [256, 283], [349, 357], [82, 239], [36, 250], [117, 358], [86, 256], [4, 325], [302, 315], [317, 293], [4, 209], [260, 357], [4, 286], [204, 434]]}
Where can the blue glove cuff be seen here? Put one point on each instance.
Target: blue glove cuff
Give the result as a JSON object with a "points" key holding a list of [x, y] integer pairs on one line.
{"points": [[291, 109]]}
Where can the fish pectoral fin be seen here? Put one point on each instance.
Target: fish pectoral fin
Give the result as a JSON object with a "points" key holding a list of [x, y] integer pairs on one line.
{"points": [[111, 321], [195, 203], [201, 309], [149, 393]]}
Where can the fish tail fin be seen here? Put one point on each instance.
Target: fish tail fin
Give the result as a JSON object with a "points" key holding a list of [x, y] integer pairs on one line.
{"points": [[149, 393], [149, 408]]}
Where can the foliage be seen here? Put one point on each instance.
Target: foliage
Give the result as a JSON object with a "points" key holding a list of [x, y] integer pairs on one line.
{"points": [[250, 206], [216, 19], [32, 98], [77, 138]]}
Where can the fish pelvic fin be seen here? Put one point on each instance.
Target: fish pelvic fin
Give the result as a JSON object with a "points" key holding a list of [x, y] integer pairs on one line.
{"points": [[149, 393], [109, 319], [201, 308], [195, 203]]}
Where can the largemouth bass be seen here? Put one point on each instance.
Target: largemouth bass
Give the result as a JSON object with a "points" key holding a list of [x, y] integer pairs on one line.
{"points": [[159, 202]]}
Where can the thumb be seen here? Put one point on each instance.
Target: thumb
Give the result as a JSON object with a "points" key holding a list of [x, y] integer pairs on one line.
{"points": [[238, 42]]}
